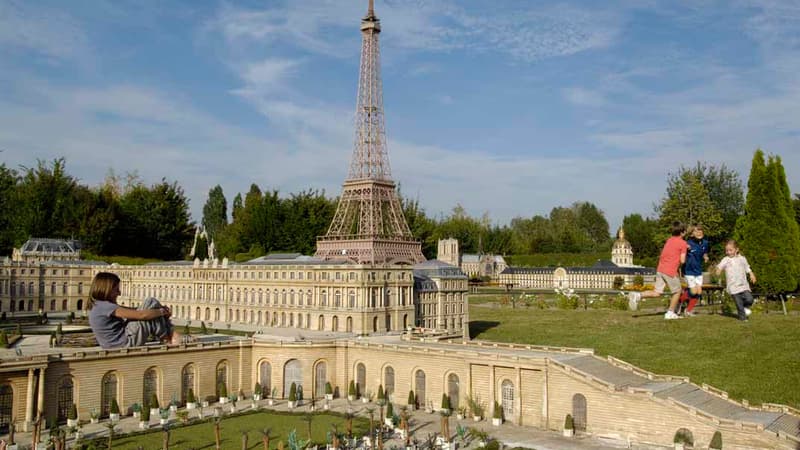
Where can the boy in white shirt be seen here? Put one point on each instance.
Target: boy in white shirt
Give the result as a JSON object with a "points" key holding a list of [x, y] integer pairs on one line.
{"points": [[736, 272]]}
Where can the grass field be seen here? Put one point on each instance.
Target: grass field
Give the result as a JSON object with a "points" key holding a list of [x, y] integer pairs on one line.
{"points": [[758, 360], [201, 435]]}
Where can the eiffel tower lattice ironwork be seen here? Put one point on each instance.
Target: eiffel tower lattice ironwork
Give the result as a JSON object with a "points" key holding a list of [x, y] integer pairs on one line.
{"points": [[369, 226]]}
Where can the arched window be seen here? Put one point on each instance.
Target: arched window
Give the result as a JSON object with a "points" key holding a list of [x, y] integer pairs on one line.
{"points": [[216, 314], [6, 407], [335, 323], [349, 324], [453, 390], [351, 299], [388, 380], [108, 392], [374, 324], [324, 298], [292, 373], [361, 379], [149, 386], [579, 412], [321, 322], [265, 377], [222, 376], [507, 392], [187, 382], [64, 398], [80, 304], [337, 299], [320, 378], [419, 387], [64, 305]]}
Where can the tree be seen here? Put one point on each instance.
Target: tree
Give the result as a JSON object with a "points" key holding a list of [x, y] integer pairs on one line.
{"points": [[687, 201], [592, 222], [156, 222], [725, 190], [8, 202], [215, 212], [767, 233], [796, 205], [422, 227], [50, 196], [641, 233]]}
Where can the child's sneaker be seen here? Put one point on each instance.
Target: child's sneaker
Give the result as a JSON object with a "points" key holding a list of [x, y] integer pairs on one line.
{"points": [[633, 300], [747, 312], [669, 315], [689, 313]]}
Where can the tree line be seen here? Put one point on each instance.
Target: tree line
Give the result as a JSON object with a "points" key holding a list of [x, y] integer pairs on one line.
{"points": [[123, 216]]}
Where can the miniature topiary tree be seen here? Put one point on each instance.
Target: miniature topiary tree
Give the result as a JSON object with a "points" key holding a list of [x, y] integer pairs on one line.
{"points": [[72, 414], [351, 390], [716, 441], [257, 388], [145, 414], [389, 410], [328, 388], [381, 394], [190, 398], [497, 413], [293, 392], [412, 400], [114, 406], [203, 328], [445, 402], [569, 422], [154, 401], [223, 390]]}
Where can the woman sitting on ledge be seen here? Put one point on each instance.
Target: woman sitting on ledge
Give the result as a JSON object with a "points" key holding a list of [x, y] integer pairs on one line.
{"points": [[116, 326]]}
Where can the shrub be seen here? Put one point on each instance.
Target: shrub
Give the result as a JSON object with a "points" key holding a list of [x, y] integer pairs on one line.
{"points": [[145, 416], [498, 411], [445, 401], [716, 441], [328, 388], [203, 328], [351, 390], [257, 389], [381, 394], [293, 392], [153, 400], [223, 390], [682, 437], [412, 401], [190, 398], [114, 406], [618, 282], [620, 303], [389, 410], [569, 423], [638, 280], [566, 299], [72, 414]]}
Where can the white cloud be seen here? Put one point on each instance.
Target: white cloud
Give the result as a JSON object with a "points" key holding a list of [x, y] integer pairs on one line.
{"points": [[48, 32], [583, 97]]}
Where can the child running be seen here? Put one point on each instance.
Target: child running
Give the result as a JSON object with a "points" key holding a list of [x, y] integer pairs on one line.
{"points": [[693, 269], [672, 256], [736, 271]]}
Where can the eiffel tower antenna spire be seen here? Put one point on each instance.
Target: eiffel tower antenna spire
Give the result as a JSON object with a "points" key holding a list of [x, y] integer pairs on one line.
{"points": [[368, 226]]}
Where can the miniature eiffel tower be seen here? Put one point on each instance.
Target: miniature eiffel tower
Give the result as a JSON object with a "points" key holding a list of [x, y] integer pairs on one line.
{"points": [[369, 226]]}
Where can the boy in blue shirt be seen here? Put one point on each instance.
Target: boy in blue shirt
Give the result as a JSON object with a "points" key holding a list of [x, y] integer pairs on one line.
{"points": [[696, 255]]}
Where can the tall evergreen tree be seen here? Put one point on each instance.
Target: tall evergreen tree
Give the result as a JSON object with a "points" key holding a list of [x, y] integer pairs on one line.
{"points": [[764, 232], [215, 212], [9, 226]]}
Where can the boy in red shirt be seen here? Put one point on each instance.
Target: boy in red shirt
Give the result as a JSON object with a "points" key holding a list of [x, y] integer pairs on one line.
{"points": [[672, 256]]}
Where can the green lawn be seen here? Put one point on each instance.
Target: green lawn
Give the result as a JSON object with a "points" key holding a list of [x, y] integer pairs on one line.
{"points": [[758, 360], [201, 434]]}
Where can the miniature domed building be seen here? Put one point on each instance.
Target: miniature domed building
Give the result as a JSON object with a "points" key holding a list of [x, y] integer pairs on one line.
{"points": [[622, 251]]}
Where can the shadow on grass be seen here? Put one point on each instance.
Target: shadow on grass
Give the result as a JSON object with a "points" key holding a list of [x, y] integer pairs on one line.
{"points": [[477, 327]]}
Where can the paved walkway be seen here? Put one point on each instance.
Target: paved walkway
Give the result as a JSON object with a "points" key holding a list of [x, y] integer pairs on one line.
{"points": [[422, 425]]}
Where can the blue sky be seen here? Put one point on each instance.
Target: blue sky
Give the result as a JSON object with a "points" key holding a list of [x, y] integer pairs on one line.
{"points": [[506, 107]]}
